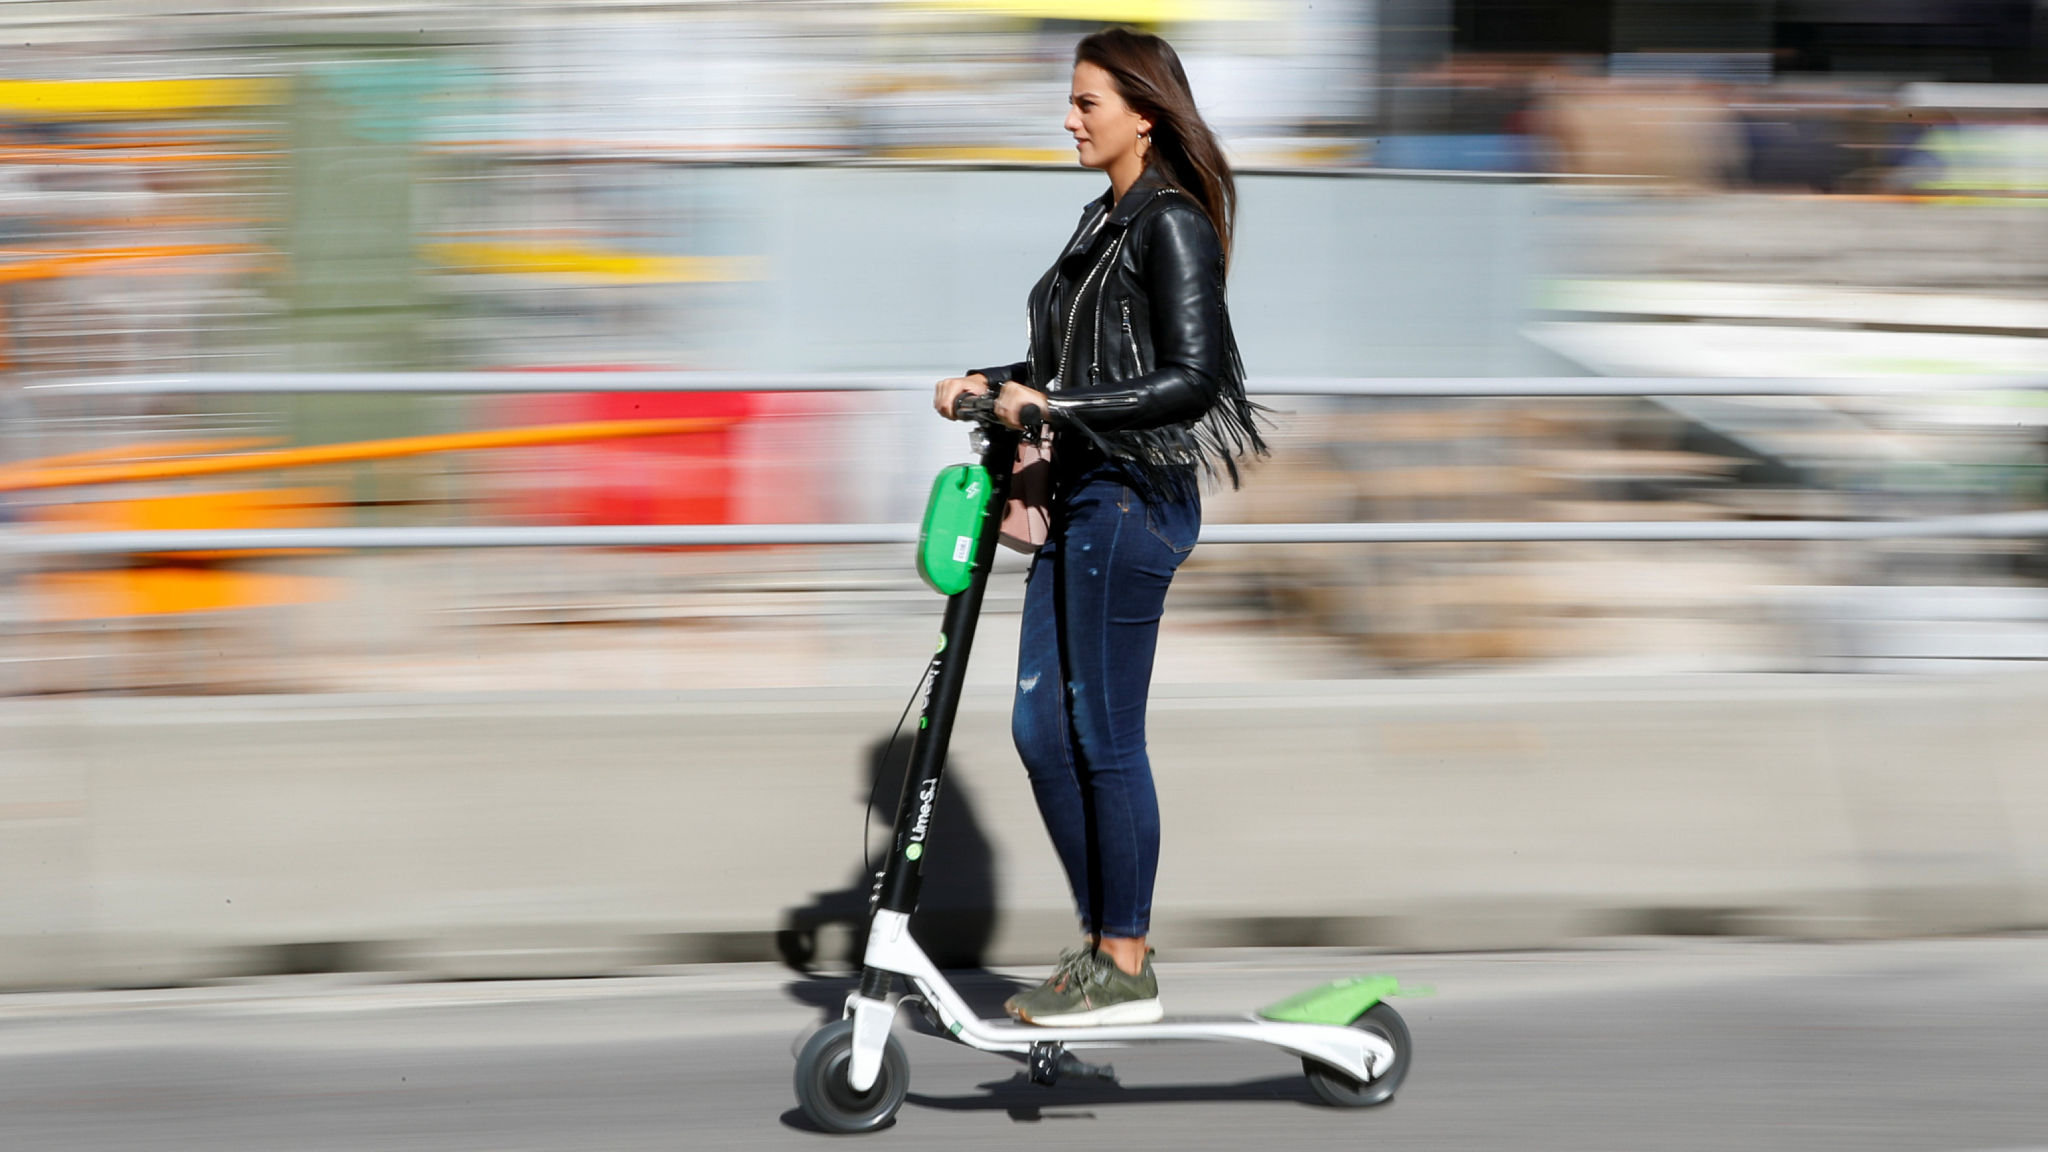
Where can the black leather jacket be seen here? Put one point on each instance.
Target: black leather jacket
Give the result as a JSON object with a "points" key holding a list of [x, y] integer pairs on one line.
{"points": [[1131, 342]]}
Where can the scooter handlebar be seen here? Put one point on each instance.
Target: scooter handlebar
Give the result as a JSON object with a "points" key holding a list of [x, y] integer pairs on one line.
{"points": [[975, 406], [982, 406]]}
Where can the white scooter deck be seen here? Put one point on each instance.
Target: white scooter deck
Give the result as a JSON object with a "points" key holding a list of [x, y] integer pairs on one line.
{"points": [[1360, 1054]]}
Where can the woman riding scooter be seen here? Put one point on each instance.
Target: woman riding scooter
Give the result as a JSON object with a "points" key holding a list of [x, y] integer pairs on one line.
{"points": [[1132, 362]]}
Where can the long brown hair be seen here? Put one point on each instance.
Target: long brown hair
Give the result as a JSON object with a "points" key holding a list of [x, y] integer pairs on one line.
{"points": [[1148, 74]]}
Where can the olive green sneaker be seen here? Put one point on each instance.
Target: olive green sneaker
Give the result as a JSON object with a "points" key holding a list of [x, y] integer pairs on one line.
{"points": [[1087, 988], [1072, 963]]}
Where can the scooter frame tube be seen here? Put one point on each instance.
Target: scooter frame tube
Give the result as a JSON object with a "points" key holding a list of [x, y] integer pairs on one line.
{"points": [[896, 890], [903, 873]]}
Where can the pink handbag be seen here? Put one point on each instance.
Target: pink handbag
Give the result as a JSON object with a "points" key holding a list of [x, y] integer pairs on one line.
{"points": [[1027, 516]]}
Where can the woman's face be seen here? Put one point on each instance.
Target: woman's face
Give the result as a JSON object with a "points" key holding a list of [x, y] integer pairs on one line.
{"points": [[1105, 128]]}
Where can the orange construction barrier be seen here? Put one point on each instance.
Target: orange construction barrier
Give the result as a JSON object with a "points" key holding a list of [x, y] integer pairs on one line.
{"points": [[170, 583]]}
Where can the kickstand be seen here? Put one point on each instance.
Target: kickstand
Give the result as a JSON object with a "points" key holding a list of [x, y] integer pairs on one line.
{"points": [[1050, 1060]]}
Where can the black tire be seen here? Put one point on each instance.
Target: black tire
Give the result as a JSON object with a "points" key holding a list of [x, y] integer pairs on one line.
{"points": [[1339, 1090], [827, 1098]]}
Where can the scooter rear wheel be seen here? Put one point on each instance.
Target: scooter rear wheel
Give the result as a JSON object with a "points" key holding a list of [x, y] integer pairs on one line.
{"points": [[1340, 1090], [828, 1098]]}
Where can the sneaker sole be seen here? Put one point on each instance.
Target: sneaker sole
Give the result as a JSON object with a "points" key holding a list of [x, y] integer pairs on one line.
{"points": [[1129, 1012]]}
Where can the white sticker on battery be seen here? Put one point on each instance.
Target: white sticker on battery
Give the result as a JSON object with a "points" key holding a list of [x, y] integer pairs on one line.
{"points": [[963, 547]]}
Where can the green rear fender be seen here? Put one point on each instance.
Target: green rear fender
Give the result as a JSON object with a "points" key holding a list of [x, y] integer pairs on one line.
{"points": [[1338, 1002]]}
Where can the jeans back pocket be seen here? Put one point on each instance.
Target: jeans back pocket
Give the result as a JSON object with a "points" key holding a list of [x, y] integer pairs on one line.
{"points": [[1176, 522]]}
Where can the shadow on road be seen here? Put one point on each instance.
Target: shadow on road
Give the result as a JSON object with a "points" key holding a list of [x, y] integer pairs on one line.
{"points": [[1024, 1100], [1028, 1103], [956, 914], [795, 1118]]}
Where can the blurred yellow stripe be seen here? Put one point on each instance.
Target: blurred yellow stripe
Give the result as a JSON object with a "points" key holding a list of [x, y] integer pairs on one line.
{"points": [[1107, 11], [84, 99], [985, 155], [596, 265]]}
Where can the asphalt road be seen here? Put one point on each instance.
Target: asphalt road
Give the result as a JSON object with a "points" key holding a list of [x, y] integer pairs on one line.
{"points": [[1924, 1045]]}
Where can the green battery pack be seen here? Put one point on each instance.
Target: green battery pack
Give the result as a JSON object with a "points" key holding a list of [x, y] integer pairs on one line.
{"points": [[952, 527]]}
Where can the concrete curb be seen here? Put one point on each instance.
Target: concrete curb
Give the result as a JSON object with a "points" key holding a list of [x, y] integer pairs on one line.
{"points": [[168, 841]]}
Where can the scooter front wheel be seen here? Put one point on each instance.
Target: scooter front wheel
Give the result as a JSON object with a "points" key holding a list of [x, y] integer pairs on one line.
{"points": [[1339, 1090], [826, 1095]]}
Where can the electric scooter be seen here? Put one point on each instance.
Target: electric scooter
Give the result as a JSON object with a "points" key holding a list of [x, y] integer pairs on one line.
{"points": [[852, 1075]]}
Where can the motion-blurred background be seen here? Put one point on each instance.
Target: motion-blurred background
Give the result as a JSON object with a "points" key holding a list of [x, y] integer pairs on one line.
{"points": [[243, 248]]}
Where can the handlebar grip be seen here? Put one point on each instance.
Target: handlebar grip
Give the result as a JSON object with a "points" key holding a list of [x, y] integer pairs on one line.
{"points": [[1031, 416], [974, 406]]}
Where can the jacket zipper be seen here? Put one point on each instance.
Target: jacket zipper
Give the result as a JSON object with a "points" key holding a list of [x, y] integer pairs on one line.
{"points": [[1137, 360], [1074, 317], [1074, 313], [1031, 341]]}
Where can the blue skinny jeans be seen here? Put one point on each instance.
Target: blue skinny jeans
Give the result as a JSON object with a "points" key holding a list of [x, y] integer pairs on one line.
{"points": [[1092, 604]]}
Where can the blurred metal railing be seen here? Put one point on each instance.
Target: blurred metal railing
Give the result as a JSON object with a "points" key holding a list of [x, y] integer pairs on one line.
{"points": [[1981, 526], [1994, 525], [1443, 387]]}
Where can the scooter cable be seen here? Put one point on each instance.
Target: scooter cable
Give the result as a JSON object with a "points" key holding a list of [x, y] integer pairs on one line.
{"points": [[874, 787]]}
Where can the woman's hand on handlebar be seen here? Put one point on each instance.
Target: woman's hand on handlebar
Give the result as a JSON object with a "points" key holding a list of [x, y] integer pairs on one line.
{"points": [[1014, 399], [948, 391]]}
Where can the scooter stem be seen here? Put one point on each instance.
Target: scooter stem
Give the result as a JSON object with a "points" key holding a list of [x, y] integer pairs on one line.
{"points": [[903, 873]]}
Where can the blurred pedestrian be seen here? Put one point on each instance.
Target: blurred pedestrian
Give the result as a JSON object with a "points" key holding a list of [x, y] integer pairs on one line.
{"points": [[1131, 359]]}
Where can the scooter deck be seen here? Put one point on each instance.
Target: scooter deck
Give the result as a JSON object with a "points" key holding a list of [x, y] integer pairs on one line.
{"points": [[1170, 1028], [1010, 1030], [1342, 1046], [891, 948]]}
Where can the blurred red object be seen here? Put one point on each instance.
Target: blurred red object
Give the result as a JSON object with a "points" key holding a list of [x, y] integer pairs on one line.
{"points": [[700, 478]]}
